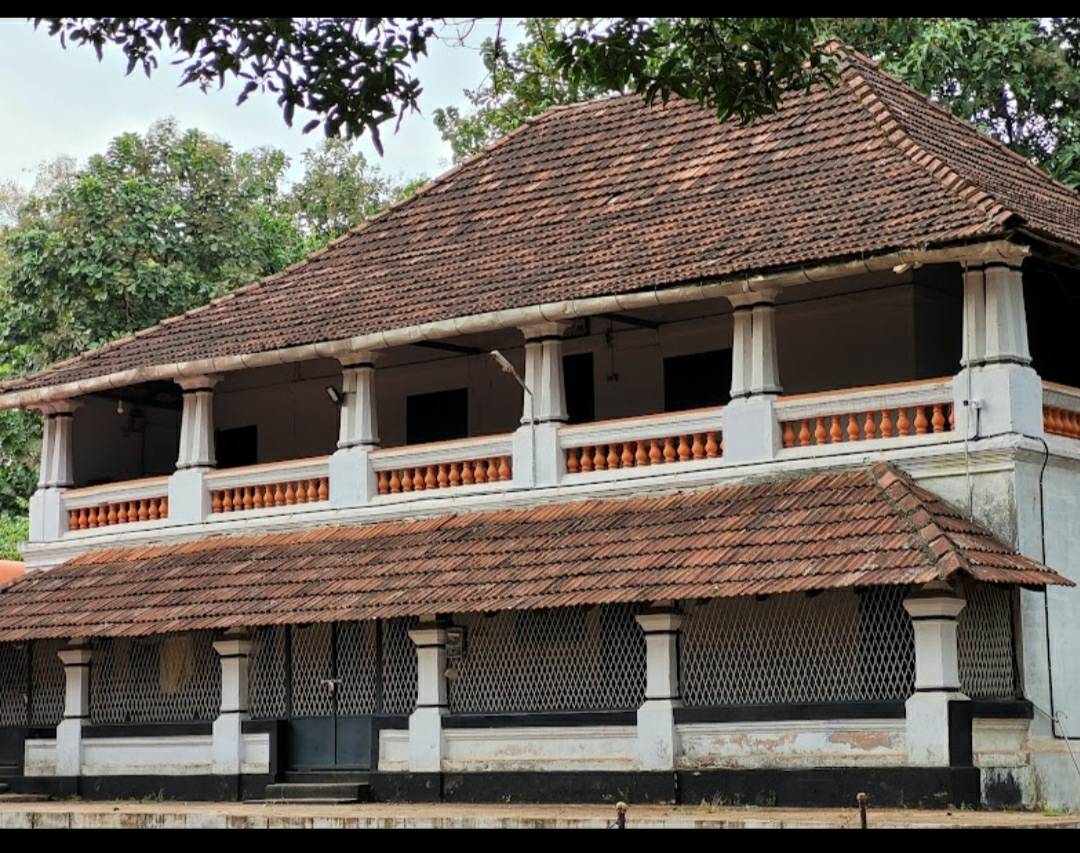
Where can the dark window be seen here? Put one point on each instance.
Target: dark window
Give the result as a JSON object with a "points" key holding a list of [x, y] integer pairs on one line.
{"points": [[698, 380], [440, 416], [237, 447], [578, 379]]}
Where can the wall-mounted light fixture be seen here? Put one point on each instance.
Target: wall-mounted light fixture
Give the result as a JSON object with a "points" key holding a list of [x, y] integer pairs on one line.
{"points": [[336, 397]]}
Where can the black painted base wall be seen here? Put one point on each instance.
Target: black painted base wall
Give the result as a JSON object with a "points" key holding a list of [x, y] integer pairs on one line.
{"points": [[886, 786]]}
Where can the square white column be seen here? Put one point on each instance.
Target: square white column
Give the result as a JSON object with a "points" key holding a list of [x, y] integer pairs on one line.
{"points": [[228, 738], [425, 722], [76, 662], [48, 519], [751, 431], [189, 496], [657, 739], [934, 611], [997, 390], [353, 481]]}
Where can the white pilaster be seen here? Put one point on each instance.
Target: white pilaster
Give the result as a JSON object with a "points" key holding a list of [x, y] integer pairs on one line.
{"points": [[228, 738], [189, 497], [657, 739], [425, 723], [751, 431], [197, 423], [76, 710], [997, 391], [537, 460], [48, 520], [352, 479], [934, 611], [544, 373]]}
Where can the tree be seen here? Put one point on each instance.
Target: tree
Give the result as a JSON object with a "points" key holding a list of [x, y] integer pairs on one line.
{"points": [[354, 74], [156, 225], [159, 223], [340, 190]]}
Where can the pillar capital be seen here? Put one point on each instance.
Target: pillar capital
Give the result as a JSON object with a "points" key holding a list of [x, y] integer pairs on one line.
{"points": [[199, 382], [750, 298], [358, 358], [550, 329]]}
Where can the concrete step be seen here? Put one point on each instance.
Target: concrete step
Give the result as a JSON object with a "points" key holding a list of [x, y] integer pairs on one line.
{"points": [[318, 792]]}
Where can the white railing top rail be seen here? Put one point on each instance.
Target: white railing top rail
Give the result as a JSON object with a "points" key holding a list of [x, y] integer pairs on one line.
{"points": [[642, 427], [126, 490], [1061, 396], [269, 472], [437, 452], [865, 398]]}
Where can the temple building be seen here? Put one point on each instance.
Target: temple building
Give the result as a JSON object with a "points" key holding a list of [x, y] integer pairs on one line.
{"points": [[640, 457]]}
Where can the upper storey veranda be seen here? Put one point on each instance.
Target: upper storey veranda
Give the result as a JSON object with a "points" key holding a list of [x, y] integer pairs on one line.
{"points": [[669, 289]]}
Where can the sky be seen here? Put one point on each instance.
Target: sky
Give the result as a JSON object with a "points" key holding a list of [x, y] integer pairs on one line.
{"points": [[57, 101]]}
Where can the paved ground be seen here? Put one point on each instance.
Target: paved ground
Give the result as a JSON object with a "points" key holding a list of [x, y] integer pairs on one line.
{"points": [[257, 815]]}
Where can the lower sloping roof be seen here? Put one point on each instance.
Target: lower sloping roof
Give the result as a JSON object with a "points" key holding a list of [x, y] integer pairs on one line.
{"points": [[859, 527]]}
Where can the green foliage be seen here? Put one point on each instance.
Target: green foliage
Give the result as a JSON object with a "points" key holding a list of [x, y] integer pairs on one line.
{"points": [[339, 191], [13, 530], [1018, 79], [159, 223], [354, 74]]}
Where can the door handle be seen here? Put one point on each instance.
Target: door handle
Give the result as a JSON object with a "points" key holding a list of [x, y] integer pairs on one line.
{"points": [[332, 683]]}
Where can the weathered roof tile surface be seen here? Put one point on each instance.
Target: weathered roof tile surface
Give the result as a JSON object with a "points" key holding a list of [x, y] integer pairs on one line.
{"points": [[859, 527]]}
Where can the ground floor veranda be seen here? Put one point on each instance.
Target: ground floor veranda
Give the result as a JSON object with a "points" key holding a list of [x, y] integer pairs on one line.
{"points": [[788, 699]]}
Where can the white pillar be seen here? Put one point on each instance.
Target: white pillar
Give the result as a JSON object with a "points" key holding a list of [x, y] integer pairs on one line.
{"points": [[48, 520], [189, 497], [1002, 390], [352, 479], [934, 611], [537, 460], [657, 741], [751, 432], [228, 740], [76, 662], [425, 723]]}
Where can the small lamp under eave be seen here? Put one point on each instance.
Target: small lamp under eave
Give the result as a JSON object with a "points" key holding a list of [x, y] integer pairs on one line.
{"points": [[336, 397]]}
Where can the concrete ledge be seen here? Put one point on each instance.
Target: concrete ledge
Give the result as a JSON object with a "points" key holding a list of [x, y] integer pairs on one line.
{"points": [[460, 816]]}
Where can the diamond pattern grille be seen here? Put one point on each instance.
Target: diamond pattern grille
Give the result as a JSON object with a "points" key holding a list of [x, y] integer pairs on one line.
{"points": [[312, 669], [266, 673], [167, 678], [47, 694], [984, 636], [837, 646], [399, 667], [13, 663], [357, 661], [569, 659]]}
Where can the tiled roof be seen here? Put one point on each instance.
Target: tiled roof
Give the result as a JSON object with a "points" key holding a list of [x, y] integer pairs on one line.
{"points": [[611, 197], [861, 527]]}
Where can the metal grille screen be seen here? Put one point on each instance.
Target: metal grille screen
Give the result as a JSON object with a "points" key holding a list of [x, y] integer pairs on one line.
{"points": [[984, 635], [13, 662], [399, 667], [266, 673], [170, 678], [573, 659], [837, 646], [47, 690], [315, 650]]}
